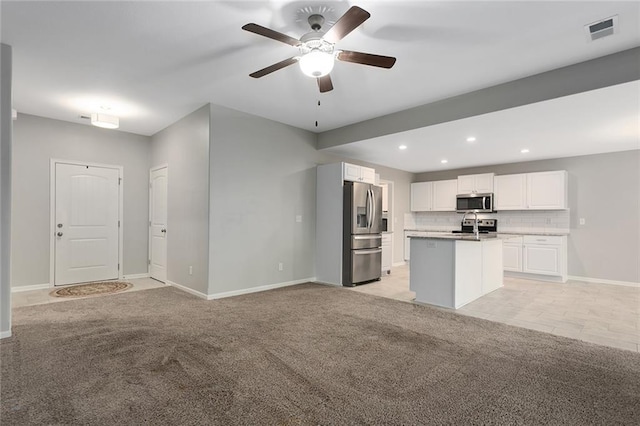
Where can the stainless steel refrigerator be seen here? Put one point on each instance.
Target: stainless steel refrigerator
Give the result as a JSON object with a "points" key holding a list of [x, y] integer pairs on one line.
{"points": [[362, 233]]}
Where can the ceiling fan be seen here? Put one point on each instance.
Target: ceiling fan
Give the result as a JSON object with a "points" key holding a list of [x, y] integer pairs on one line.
{"points": [[317, 48]]}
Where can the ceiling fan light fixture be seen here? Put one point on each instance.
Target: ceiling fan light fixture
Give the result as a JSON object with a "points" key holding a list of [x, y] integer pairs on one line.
{"points": [[105, 121], [316, 63]]}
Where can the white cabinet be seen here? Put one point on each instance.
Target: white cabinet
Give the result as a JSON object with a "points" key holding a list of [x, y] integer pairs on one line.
{"points": [[512, 254], [532, 191], [421, 196], [510, 192], [471, 184], [434, 196], [387, 243], [385, 197], [547, 190], [538, 255], [355, 173], [444, 195]]}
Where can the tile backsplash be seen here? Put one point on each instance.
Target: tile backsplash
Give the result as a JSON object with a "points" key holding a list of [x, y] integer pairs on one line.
{"points": [[543, 221]]}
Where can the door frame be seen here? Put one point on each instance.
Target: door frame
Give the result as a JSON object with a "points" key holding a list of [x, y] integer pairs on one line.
{"points": [[52, 213], [166, 236]]}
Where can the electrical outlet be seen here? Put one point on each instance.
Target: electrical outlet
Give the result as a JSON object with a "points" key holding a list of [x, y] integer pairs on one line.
{"points": [[280, 266], [583, 221], [299, 218], [190, 270]]}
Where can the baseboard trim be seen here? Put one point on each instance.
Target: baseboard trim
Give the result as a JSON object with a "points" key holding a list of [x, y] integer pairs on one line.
{"points": [[22, 288], [536, 277], [135, 276], [258, 289], [399, 263], [5, 334], [187, 290], [603, 281]]}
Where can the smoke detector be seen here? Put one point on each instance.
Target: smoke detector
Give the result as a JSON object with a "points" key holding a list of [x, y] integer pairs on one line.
{"points": [[599, 29]]}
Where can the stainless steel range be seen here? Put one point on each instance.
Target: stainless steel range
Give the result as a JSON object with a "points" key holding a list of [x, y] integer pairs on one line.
{"points": [[485, 226]]}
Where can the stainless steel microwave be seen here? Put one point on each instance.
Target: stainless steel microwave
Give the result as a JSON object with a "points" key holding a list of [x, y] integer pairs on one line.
{"points": [[479, 203]]}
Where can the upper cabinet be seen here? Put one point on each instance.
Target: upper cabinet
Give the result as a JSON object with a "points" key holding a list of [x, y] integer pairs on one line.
{"points": [[510, 192], [357, 173], [385, 197], [444, 195], [434, 196], [548, 190], [421, 196], [472, 184], [532, 191]]}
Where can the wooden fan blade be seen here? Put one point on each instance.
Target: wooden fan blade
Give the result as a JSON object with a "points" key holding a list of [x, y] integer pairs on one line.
{"points": [[325, 84], [366, 59], [352, 19], [275, 35], [274, 67]]}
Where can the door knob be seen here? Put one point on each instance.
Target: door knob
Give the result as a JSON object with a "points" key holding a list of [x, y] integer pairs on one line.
{"points": [[59, 234]]}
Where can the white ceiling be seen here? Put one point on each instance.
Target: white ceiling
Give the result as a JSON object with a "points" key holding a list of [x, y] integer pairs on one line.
{"points": [[154, 62], [594, 122]]}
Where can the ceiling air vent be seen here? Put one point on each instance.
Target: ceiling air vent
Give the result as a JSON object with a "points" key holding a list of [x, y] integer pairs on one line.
{"points": [[600, 29]]}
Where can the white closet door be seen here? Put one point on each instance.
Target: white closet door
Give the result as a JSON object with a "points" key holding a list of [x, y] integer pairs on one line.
{"points": [[158, 224], [86, 218]]}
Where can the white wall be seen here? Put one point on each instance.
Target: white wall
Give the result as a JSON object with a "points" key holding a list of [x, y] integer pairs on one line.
{"points": [[36, 141], [604, 189], [184, 146], [5, 189]]}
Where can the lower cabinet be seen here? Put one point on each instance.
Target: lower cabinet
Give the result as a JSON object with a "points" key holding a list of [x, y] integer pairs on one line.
{"points": [[387, 256], [512, 254], [537, 256]]}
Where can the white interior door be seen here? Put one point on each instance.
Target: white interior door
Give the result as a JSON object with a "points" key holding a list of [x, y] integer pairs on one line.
{"points": [[86, 223], [158, 224]]}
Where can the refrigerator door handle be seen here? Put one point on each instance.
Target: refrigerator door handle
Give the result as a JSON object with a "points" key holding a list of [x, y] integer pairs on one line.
{"points": [[373, 208], [368, 208]]}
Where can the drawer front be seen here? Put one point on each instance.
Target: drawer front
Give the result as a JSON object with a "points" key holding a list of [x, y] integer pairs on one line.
{"points": [[514, 241], [543, 239]]}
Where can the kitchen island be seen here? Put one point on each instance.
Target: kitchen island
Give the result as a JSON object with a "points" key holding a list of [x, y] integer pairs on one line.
{"points": [[451, 270]]}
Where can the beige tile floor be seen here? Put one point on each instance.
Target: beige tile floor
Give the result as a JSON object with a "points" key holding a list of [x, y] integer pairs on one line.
{"points": [[38, 297], [602, 314]]}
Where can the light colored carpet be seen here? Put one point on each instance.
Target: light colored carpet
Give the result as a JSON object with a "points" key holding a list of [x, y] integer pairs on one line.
{"points": [[307, 354]]}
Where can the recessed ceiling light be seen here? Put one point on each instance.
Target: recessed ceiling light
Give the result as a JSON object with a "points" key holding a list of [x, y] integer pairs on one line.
{"points": [[471, 139], [444, 161], [524, 151], [402, 147]]}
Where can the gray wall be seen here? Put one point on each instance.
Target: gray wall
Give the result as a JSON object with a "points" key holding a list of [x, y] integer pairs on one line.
{"points": [[262, 176], [36, 141], [605, 190], [5, 189], [184, 146]]}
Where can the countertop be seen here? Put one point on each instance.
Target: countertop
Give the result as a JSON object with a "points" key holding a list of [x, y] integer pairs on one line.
{"points": [[463, 237], [559, 234]]}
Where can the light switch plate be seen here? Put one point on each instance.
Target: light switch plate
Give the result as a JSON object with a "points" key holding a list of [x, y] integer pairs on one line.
{"points": [[299, 218]]}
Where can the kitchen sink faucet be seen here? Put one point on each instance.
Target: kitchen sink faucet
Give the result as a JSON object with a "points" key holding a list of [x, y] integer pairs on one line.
{"points": [[475, 222]]}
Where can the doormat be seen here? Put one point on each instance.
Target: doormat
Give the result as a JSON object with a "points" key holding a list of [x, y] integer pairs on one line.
{"points": [[91, 289]]}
